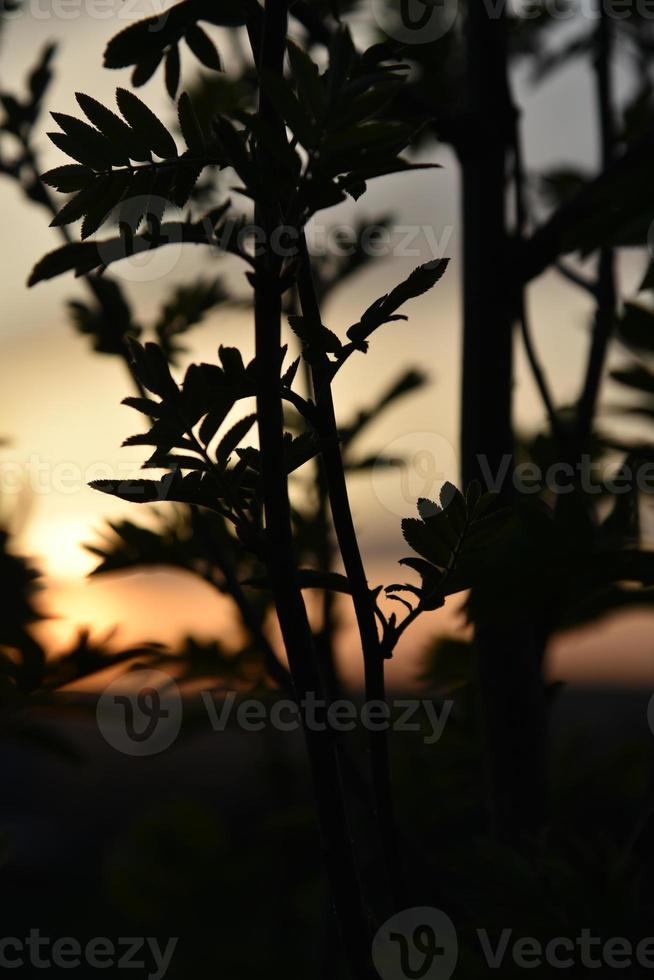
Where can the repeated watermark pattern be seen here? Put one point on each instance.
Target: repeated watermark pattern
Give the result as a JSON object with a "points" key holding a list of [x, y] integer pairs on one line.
{"points": [[143, 953], [125, 11], [157, 249], [422, 944], [408, 21], [417, 464], [140, 714], [426, 21], [413, 465], [416, 944]]}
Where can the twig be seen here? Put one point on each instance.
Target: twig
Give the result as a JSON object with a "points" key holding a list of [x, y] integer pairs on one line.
{"points": [[282, 567], [523, 318], [539, 377], [606, 291], [576, 278], [363, 603]]}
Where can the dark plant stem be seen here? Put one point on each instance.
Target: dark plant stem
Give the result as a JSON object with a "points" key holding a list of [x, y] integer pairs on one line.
{"points": [[282, 569], [325, 557], [346, 536], [589, 285], [537, 370], [606, 288], [510, 678], [539, 375], [276, 670]]}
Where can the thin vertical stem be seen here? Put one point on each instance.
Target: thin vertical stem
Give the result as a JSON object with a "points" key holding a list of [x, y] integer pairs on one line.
{"points": [[540, 378], [363, 603], [606, 287], [281, 563]]}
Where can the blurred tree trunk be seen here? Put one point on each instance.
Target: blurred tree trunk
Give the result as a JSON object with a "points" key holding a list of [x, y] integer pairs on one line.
{"points": [[509, 661]]}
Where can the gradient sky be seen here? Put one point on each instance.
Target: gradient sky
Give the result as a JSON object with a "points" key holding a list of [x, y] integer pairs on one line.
{"points": [[61, 402]]}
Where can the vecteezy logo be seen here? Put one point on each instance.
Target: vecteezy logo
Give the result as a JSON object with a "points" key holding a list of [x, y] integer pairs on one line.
{"points": [[415, 21], [417, 944], [140, 713], [413, 465]]}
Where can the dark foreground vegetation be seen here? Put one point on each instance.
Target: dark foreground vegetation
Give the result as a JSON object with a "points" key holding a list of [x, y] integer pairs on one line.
{"points": [[284, 854]]}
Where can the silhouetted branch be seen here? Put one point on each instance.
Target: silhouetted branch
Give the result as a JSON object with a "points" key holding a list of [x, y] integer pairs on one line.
{"points": [[606, 289], [363, 603], [282, 567]]}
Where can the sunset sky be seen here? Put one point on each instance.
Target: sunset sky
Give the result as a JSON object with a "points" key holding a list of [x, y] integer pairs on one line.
{"points": [[62, 414]]}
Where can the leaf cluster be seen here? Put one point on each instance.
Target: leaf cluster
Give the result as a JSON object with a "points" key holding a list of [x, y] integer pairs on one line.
{"points": [[156, 40], [115, 169], [453, 539], [185, 422]]}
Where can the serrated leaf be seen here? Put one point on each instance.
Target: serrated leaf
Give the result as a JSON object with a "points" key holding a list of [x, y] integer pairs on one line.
{"points": [[70, 177], [145, 69], [289, 375], [92, 140], [135, 202], [194, 488], [189, 125], [108, 190], [172, 71], [78, 206], [185, 180], [80, 256], [148, 37], [152, 369], [135, 491], [233, 147], [203, 47], [429, 572], [144, 121], [231, 439], [144, 405], [173, 461], [342, 59], [307, 77], [289, 108], [114, 128], [214, 419], [419, 537], [109, 250], [40, 76], [383, 310], [83, 155], [315, 341], [427, 508], [298, 450], [231, 360]]}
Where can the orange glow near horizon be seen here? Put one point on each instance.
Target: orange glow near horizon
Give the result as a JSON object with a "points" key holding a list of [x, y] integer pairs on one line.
{"points": [[67, 425]]}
